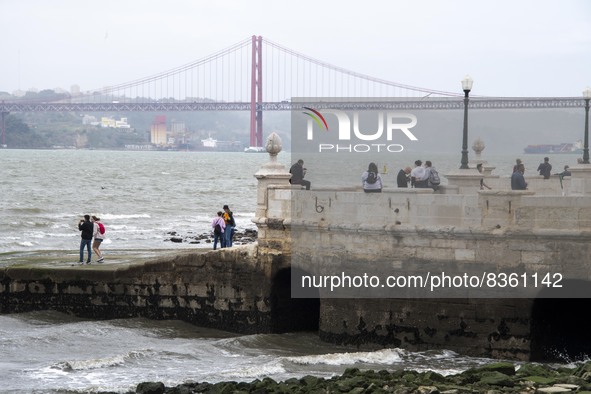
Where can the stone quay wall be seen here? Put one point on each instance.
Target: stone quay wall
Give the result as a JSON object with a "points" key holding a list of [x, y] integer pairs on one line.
{"points": [[420, 231], [228, 289]]}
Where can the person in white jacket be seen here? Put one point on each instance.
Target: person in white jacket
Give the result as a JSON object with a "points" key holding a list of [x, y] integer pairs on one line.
{"points": [[98, 236]]}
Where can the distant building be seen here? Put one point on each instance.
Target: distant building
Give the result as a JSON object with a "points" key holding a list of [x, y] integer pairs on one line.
{"points": [[122, 124], [108, 122], [178, 131], [75, 90], [90, 120], [158, 131]]}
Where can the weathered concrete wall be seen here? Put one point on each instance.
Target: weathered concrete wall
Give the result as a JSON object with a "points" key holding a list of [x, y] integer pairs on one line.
{"points": [[230, 289], [477, 327], [398, 232]]}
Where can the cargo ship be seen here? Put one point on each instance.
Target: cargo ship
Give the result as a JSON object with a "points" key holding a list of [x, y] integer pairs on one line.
{"points": [[576, 147]]}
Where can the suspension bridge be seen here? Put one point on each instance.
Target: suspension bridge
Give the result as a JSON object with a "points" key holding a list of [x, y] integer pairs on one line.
{"points": [[259, 75]]}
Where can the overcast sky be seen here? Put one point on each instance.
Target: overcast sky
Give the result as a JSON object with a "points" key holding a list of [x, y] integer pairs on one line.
{"points": [[509, 47]]}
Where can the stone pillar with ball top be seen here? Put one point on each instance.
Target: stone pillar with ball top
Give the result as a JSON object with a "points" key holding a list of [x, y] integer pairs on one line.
{"points": [[273, 210]]}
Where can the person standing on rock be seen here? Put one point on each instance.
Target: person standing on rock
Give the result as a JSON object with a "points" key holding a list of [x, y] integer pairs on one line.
{"points": [[230, 225], [218, 224]]}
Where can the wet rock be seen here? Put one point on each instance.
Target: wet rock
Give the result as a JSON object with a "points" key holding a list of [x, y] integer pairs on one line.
{"points": [[240, 237], [495, 378], [150, 388]]}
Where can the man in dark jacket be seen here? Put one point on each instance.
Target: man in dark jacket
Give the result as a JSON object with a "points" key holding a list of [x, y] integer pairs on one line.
{"points": [[87, 229], [298, 172], [403, 177], [545, 168]]}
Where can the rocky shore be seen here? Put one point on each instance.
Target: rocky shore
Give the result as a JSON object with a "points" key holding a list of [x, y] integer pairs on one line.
{"points": [[240, 237], [493, 378]]}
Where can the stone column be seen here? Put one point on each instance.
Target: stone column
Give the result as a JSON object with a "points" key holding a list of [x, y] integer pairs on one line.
{"points": [[465, 181], [478, 146], [580, 183], [273, 210]]}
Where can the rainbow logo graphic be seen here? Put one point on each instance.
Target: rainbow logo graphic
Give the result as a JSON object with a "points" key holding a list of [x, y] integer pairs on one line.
{"points": [[318, 118]]}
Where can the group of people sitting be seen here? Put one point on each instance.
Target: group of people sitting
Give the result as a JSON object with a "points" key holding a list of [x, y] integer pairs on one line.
{"points": [[544, 169], [422, 176]]}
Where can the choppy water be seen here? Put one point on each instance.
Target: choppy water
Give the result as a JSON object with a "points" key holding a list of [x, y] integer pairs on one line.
{"points": [[141, 197], [44, 352]]}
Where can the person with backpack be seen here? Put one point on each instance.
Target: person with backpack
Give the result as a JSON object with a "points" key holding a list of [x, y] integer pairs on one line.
{"points": [[432, 176], [99, 235], [371, 179], [218, 224]]}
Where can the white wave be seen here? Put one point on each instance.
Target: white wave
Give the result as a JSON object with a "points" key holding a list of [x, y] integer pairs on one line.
{"points": [[110, 216], [79, 365], [384, 356], [26, 243], [254, 372], [9, 238]]}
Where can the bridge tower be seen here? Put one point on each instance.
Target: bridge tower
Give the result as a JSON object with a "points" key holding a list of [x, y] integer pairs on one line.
{"points": [[256, 93], [3, 128]]}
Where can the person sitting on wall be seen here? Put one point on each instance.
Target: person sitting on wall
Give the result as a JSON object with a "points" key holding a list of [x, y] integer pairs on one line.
{"points": [[418, 175], [298, 172], [518, 180], [545, 168], [403, 177], [564, 173], [371, 179], [482, 184]]}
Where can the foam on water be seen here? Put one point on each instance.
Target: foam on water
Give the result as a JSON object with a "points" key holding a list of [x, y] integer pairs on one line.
{"points": [[385, 356]]}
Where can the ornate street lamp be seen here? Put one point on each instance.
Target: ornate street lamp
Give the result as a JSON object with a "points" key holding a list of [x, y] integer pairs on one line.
{"points": [[466, 87], [587, 97]]}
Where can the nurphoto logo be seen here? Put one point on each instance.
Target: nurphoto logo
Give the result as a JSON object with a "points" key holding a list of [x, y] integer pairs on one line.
{"points": [[390, 125]]}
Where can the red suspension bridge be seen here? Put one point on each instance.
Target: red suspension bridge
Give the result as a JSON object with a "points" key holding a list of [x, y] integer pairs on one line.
{"points": [[232, 80]]}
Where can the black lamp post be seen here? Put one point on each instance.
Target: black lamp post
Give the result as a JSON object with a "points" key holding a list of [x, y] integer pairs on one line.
{"points": [[466, 87], [587, 97]]}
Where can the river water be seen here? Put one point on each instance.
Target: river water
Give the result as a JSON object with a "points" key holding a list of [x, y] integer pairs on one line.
{"points": [[141, 197]]}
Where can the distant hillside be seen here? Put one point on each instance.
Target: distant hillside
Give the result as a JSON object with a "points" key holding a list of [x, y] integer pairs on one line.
{"points": [[503, 131]]}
